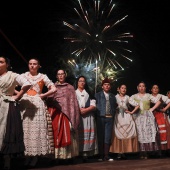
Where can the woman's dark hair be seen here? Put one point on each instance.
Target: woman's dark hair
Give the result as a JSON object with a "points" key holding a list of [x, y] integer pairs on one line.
{"points": [[154, 85], [121, 85], [168, 92], [35, 59], [142, 82], [7, 60], [86, 87], [62, 70]]}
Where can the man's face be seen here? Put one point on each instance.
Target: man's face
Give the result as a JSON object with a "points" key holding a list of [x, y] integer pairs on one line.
{"points": [[106, 87]]}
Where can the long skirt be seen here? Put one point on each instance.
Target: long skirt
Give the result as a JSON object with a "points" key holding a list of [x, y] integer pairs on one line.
{"points": [[124, 138], [37, 137], [88, 145], [13, 141], [65, 138], [147, 131], [163, 130]]}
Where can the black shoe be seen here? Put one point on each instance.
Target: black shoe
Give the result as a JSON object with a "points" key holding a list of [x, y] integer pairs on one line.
{"points": [[107, 158], [118, 157], [85, 159], [7, 163], [6, 168], [100, 158], [123, 157], [33, 161]]}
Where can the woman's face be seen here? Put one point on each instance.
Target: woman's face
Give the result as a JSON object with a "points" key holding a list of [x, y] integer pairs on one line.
{"points": [[168, 94], [141, 88], [3, 65], [122, 90], [155, 89], [33, 66], [61, 76], [81, 83]]}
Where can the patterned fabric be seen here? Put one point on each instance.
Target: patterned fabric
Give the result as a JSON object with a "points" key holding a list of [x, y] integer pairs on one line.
{"points": [[61, 128], [87, 128], [65, 102], [124, 128], [69, 151], [37, 136], [145, 123], [162, 122], [107, 106], [146, 127], [124, 124], [50, 132]]}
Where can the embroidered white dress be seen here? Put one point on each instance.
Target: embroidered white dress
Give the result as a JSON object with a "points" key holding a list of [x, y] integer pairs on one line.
{"points": [[124, 128], [34, 112], [145, 122]]}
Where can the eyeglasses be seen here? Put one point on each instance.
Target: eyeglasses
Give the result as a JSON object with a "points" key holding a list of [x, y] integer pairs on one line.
{"points": [[81, 81], [60, 74]]}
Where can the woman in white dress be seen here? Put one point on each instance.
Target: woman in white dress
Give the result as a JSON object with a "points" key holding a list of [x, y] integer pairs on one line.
{"points": [[87, 127], [145, 121], [124, 130], [37, 138]]}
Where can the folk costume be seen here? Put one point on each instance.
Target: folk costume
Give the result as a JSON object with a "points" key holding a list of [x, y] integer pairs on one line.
{"points": [[64, 110], [124, 129], [37, 125], [87, 128], [11, 130]]}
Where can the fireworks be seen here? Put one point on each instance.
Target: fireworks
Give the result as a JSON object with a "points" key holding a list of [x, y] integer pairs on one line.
{"points": [[98, 46]]}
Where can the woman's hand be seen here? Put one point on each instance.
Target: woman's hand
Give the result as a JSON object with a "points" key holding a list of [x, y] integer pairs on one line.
{"points": [[151, 110], [163, 110], [15, 97], [129, 112], [42, 96], [83, 111]]}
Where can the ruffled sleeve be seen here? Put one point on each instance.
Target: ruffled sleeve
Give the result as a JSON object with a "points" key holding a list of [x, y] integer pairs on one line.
{"points": [[47, 81], [133, 102], [93, 102], [154, 99], [22, 81], [165, 99]]}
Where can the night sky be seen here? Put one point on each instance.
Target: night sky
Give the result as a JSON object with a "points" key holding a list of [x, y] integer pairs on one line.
{"points": [[36, 30]]}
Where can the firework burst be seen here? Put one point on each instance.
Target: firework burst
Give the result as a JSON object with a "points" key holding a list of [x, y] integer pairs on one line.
{"points": [[97, 41]]}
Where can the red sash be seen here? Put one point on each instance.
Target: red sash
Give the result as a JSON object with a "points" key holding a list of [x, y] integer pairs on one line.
{"points": [[61, 128], [160, 119]]}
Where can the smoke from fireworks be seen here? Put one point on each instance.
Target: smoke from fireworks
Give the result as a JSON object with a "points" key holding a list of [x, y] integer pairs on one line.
{"points": [[99, 47]]}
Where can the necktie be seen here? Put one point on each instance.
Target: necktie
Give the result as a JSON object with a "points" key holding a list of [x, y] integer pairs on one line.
{"points": [[107, 105]]}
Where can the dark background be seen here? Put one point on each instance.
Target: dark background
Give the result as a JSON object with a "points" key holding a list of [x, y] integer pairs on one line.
{"points": [[36, 30]]}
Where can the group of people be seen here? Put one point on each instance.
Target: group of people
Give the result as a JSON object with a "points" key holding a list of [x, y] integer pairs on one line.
{"points": [[66, 121]]}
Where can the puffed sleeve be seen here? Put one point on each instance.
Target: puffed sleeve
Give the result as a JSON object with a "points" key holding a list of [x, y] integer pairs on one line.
{"points": [[165, 99], [93, 102], [47, 81], [22, 81], [154, 99], [132, 102], [132, 97]]}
